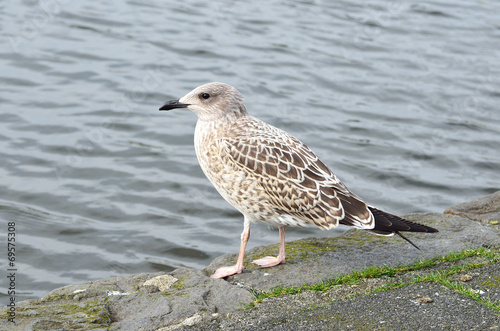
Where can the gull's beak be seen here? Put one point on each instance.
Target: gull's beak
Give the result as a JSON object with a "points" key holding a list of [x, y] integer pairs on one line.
{"points": [[172, 104]]}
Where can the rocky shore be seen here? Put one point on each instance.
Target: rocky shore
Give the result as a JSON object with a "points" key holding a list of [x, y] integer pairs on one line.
{"points": [[401, 288]]}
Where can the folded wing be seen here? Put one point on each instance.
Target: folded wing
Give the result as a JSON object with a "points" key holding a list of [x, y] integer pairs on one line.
{"points": [[295, 181]]}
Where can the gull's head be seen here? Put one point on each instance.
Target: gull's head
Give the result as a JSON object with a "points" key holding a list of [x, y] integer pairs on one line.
{"points": [[211, 102]]}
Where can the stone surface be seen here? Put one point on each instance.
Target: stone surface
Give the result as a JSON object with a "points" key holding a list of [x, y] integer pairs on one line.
{"points": [[485, 209], [161, 283], [397, 309], [312, 260], [187, 299], [124, 303], [486, 281]]}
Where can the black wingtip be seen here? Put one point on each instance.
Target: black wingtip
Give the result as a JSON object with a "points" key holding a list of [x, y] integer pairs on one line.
{"points": [[408, 240], [391, 223]]}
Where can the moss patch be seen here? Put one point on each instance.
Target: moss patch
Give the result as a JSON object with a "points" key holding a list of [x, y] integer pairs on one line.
{"points": [[89, 315], [492, 281]]}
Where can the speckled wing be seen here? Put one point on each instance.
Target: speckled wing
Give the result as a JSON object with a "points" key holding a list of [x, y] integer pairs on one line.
{"points": [[296, 183]]}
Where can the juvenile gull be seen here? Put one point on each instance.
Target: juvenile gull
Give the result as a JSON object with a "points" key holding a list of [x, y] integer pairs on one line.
{"points": [[272, 177]]}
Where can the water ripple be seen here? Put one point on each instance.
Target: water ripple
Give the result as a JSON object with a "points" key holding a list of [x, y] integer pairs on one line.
{"points": [[399, 99]]}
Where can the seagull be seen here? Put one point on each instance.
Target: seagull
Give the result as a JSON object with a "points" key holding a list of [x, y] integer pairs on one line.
{"points": [[271, 176]]}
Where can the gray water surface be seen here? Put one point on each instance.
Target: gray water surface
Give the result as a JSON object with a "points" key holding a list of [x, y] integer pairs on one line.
{"points": [[400, 99]]}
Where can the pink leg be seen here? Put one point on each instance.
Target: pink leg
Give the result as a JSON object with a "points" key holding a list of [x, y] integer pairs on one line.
{"points": [[271, 261], [238, 267]]}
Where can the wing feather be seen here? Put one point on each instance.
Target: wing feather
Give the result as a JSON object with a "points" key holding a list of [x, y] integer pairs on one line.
{"points": [[295, 181]]}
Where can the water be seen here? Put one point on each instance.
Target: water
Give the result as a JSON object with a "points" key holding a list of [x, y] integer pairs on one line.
{"points": [[399, 98]]}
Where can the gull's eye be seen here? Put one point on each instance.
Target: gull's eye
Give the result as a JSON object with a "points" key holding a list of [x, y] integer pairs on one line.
{"points": [[205, 95]]}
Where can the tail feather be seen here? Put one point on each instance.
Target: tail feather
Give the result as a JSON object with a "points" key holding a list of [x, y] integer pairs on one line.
{"points": [[408, 240], [392, 223], [387, 224]]}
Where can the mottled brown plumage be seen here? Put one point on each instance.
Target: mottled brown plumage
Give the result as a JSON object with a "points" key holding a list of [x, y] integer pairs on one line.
{"points": [[270, 176]]}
